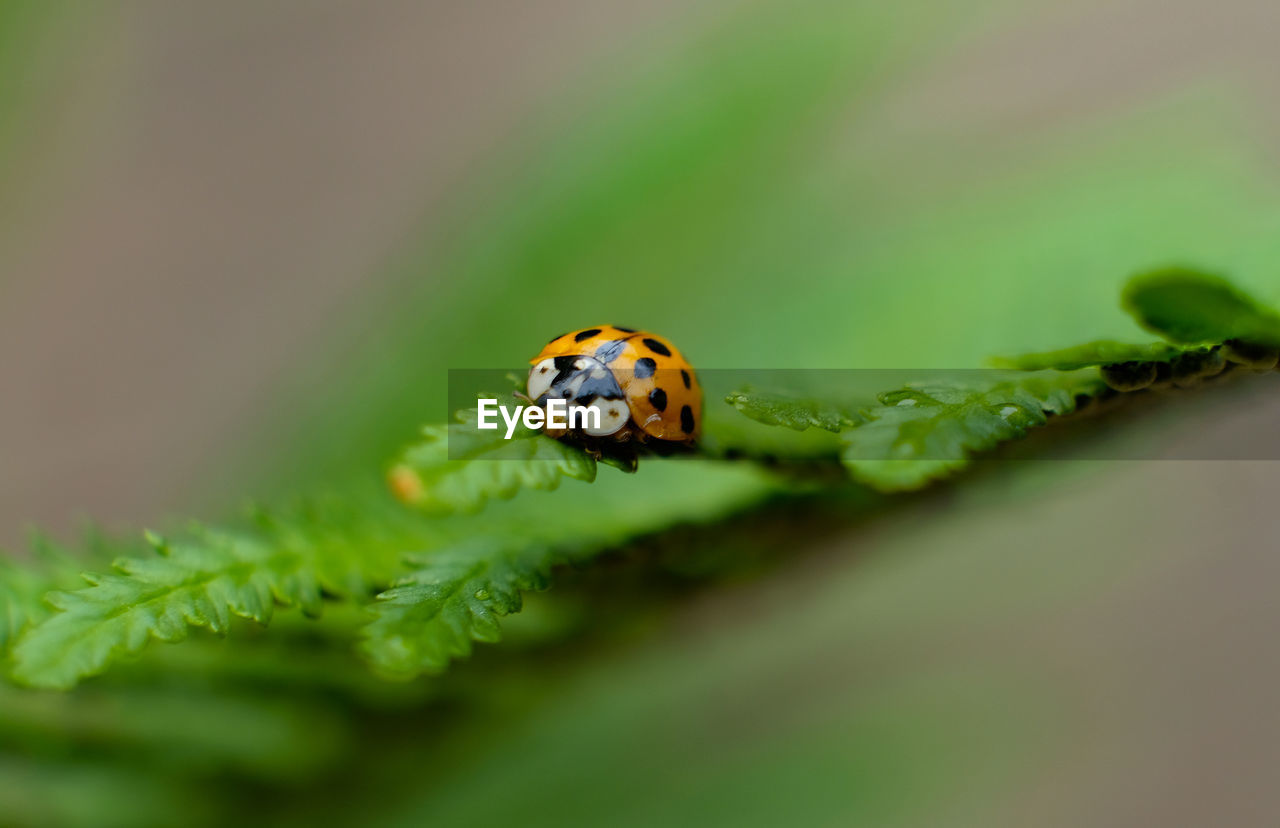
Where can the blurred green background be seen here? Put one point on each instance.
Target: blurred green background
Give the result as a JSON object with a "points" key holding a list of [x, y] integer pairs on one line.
{"points": [[242, 243]]}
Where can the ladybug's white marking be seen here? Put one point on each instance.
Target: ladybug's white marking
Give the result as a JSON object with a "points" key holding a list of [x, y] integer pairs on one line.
{"points": [[613, 416], [541, 376]]}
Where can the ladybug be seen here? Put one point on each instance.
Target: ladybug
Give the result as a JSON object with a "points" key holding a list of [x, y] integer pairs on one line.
{"points": [[642, 387]]}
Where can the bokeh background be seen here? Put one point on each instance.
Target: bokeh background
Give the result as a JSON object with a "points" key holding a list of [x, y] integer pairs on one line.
{"points": [[241, 243]]}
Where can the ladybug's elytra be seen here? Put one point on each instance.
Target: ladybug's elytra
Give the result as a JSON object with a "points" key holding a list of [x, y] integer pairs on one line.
{"points": [[642, 387]]}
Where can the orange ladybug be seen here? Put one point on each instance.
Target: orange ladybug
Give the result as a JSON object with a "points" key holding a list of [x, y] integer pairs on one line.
{"points": [[642, 387]]}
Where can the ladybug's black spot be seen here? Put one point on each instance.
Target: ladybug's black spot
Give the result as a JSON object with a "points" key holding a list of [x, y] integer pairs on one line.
{"points": [[686, 420], [658, 399], [624, 330], [656, 346], [587, 334], [684, 375], [609, 351], [566, 368], [645, 368]]}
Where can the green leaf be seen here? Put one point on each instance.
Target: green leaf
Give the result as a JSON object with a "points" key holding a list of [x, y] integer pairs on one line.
{"points": [[459, 590], [23, 587], [927, 431], [794, 412], [1090, 355], [433, 615], [21, 601], [207, 576], [1188, 306], [199, 584], [458, 468], [728, 434]]}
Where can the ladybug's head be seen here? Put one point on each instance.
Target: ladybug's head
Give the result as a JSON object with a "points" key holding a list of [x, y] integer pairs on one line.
{"points": [[581, 381]]}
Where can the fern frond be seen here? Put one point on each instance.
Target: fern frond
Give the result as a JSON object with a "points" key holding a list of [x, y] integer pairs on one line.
{"points": [[458, 468], [23, 587], [191, 583], [434, 614], [745, 428], [205, 578], [927, 430], [921, 433], [21, 600], [458, 591], [797, 413]]}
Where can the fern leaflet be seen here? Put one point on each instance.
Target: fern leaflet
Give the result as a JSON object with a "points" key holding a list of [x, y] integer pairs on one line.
{"points": [[792, 411], [206, 577], [1188, 306], [921, 433], [459, 590], [457, 468]]}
